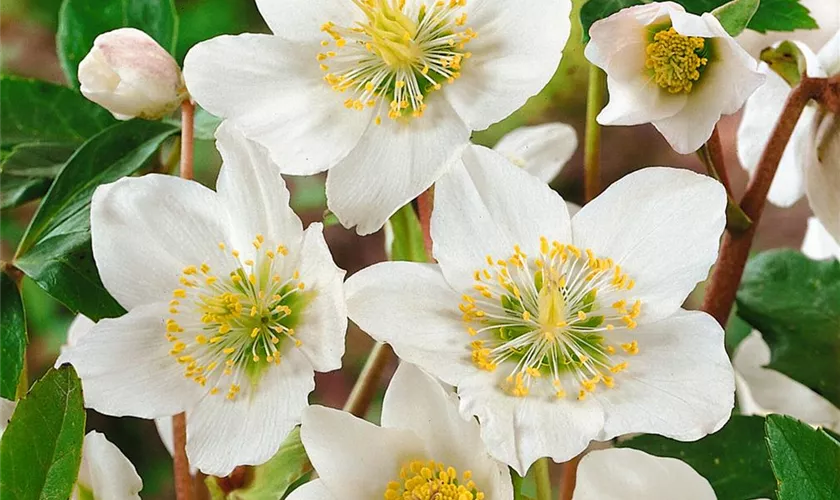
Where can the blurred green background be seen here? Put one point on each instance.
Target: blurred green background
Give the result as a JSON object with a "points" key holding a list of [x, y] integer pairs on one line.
{"points": [[27, 37]]}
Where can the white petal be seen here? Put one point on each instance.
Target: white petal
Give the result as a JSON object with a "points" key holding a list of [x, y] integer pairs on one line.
{"points": [[829, 55], [146, 230], [301, 20], [254, 194], [637, 100], [222, 434], [728, 81], [487, 206], [273, 90], [355, 459], [106, 472], [507, 67], [679, 385], [618, 474], [392, 164], [818, 243], [662, 225], [80, 326], [518, 431], [542, 150], [126, 369], [313, 490], [324, 320], [7, 408], [774, 392], [822, 175], [761, 113], [411, 307]]}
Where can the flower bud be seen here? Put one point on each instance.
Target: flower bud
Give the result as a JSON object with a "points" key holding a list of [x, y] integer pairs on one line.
{"points": [[130, 75]]}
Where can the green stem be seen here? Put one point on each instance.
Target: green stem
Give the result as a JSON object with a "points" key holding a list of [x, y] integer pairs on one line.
{"points": [[592, 145], [542, 475], [368, 381]]}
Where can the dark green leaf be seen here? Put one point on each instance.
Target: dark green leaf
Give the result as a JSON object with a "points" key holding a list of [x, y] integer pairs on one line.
{"points": [[734, 16], [41, 449], [27, 172], [795, 303], [408, 241], [63, 266], [734, 459], [55, 251], [196, 26], [805, 460], [772, 15], [33, 112], [12, 337], [81, 21]]}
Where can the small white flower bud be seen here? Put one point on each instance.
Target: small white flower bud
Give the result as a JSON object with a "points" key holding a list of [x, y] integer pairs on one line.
{"points": [[130, 75]]}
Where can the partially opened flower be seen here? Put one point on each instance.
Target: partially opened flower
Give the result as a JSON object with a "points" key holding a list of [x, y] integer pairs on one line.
{"points": [[232, 307], [625, 474], [383, 92], [560, 331], [822, 166], [425, 449], [761, 114], [542, 150], [105, 473], [679, 71], [763, 390]]}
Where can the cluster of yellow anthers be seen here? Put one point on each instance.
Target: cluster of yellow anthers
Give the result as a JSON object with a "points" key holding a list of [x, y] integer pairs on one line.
{"points": [[230, 327], [547, 317], [676, 60], [395, 56], [427, 480]]}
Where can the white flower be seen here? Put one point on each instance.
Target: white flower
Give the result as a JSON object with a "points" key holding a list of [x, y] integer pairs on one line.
{"points": [[818, 243], [423, 450], [827, 15], [105, 473], [676, 70], [560, 331], [761, 114], [762, 390], [624, 474], [232, 307], [542, 150], [822, 170], [353, 87], [130, 75]]}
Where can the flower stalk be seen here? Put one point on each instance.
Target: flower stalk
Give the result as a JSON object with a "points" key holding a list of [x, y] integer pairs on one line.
{"points": [[569, 478], [368, 381], [542, 475], [592, 147], [735, 250], [425, 203], [187, 138]]}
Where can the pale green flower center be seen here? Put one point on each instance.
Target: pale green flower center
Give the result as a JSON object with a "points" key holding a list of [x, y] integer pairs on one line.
{"points": [[395, 58], [430, 480], [227, 329], [549, 317], [676, 60]]}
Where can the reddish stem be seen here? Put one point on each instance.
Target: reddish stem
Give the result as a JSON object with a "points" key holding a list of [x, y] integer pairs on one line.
{"points": [[187, 138], [715, 148], [569, 478], [425, 204], [183, 479]]}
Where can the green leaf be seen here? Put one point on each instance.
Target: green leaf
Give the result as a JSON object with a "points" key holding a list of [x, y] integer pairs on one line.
{"points": [[805, 460], [274, 478], [772, 15], [27, 172], [795, 303], [35, 112], [736, 15], [81, 21], [734, 459], [12, 337], [408, 241], [196, 25], [41, 449], [55, 251]]}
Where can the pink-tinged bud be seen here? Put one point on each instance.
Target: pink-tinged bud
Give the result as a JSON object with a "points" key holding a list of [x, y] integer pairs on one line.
{"points": [[130, 75]]}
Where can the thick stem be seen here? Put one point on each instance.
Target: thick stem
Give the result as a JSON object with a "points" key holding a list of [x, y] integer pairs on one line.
{"points": [[187, 138], [569, 478], [183, 479], [425, 204], [368, 381], [592, 146], [542, 476], [720, 294], [715, 149]]}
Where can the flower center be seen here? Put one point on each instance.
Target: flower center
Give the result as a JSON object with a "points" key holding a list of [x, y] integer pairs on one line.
{"points": [[427, 480], [549, 317], [395, 56], [676, 60], [227, 329]]}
